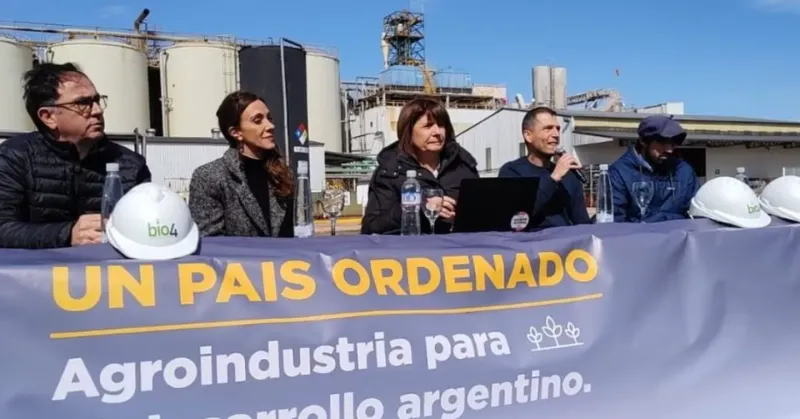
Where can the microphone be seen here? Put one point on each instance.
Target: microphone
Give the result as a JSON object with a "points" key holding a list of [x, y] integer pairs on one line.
{"points": [[578, 172]]}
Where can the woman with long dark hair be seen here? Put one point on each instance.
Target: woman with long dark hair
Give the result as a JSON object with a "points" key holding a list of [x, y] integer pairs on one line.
{"points": [[249, 190], [427, 144]]}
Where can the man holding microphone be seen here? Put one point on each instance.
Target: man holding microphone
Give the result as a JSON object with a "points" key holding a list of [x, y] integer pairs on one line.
{"points": [[560, 200]]}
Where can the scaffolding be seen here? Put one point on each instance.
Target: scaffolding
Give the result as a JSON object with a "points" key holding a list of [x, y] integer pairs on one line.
{"points": [[404, 34], [369, 93]]}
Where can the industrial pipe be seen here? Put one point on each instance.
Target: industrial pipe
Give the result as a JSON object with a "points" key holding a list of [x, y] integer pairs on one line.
{"points": [[150, 134], [114, 34], [298, 45], [139, 20], [136, 141], [140, 44], [285, 110], [346, 120]]}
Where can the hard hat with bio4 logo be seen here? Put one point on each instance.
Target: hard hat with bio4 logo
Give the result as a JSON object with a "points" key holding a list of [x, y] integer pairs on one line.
{"points": [[152, 222], [730, 201], [781, 198]]}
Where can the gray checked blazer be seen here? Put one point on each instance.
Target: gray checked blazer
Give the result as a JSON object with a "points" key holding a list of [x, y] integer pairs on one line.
{"points": [[223, 205]]}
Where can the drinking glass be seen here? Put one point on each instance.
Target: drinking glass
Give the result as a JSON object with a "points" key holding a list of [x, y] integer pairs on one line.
{"points": [[643, 193], [333, 205], [432, 198]]}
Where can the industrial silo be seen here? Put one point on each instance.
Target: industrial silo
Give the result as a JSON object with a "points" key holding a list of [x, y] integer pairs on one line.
{"points": [[195, 77], [558, 76], [15, 60], [542, 90], [118, 71], [278, 74], [324, 100]]}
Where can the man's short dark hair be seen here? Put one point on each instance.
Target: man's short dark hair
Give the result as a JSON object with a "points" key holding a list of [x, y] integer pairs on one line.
{"points": [[41, 86], [530, 116]]}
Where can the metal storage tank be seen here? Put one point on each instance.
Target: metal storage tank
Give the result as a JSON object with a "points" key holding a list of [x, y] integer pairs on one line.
{"points": [[15, 60], [195, 77], [559, 87], [542, 92], [324, 100], [263, 74], [118, 71]]}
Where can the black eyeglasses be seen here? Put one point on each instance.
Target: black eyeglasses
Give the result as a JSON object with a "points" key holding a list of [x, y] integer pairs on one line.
{"points": [[84, 104]]}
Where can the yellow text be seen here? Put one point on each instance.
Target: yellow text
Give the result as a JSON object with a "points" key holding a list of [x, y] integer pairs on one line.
{"points": [[461, 274], [118, 281], [115, 286], [289, 280]]}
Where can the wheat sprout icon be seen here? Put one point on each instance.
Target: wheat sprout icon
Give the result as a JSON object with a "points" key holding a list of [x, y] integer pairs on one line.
{"points": [[535, 337], [572, 332], [554, 331]]}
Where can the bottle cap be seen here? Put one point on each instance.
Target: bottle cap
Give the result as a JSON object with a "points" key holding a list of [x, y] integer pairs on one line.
{"points": [[740, 170], [112, 167], [603, 167], [411, 173]]}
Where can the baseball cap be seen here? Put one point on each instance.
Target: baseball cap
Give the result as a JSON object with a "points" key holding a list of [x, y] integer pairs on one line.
{"points": [[661, 127]]}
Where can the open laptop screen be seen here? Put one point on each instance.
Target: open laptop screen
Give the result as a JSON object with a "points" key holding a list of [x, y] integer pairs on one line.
{"points": [[496, 204]]}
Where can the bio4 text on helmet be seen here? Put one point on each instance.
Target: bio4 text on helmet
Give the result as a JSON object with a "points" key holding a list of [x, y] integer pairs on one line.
{"points": [[161, 230]]}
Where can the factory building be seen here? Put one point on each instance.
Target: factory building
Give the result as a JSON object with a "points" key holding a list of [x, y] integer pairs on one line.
{"points": [[164, 90], [600, 131], [372, 122], [373, 104], [715, 146]]}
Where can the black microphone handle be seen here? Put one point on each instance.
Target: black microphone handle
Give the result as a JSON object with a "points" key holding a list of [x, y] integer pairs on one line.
{"points": [[580, 175], [578, 172]]}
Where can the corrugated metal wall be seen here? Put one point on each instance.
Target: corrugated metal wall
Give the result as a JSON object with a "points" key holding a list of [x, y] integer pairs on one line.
{"points": [[172, 164], [498, 140], [316, 162], [501, 134], [364, 127]]}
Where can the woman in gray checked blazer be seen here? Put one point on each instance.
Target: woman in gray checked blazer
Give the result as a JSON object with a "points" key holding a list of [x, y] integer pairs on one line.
{"points": [[249, 190]]}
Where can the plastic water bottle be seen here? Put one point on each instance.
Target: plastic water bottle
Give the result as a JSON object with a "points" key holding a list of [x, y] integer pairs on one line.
{"points": [[410, 199], [741, 175], [112, 193], [605, 200], [304, 218]]}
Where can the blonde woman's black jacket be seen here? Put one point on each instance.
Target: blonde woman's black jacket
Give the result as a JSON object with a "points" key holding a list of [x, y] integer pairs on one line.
{"points": [[383, 212], [45, 187]]}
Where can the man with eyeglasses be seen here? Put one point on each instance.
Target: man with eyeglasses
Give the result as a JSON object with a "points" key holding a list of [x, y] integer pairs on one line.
{"points": [[669, 182], [51, 180]]}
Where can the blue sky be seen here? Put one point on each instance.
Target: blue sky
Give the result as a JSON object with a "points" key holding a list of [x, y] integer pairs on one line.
{"points": [[720, 57]]}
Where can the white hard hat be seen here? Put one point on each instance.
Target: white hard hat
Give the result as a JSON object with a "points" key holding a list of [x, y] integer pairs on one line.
{"points": [[781, 198], [152, 222], [730, 201]]}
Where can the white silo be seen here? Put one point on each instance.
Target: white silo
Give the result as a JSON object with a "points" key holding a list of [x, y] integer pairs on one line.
{"points": [[542, 90], [195, 77], [324, 100], [558, 87], [15, 60], [118, 71]]}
